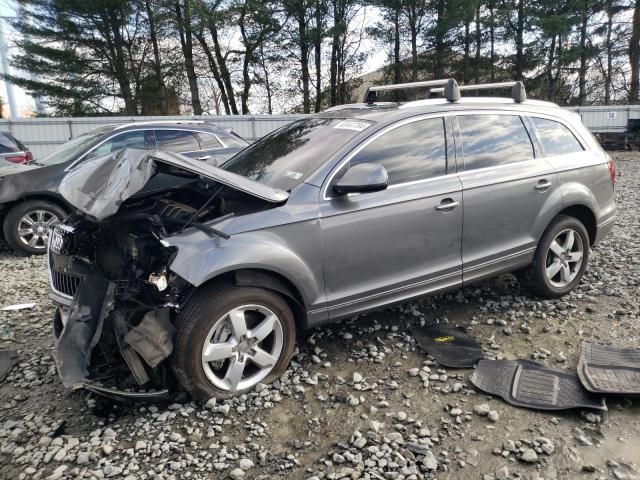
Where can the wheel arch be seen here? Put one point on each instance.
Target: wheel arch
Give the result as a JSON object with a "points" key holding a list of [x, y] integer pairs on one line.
{"points": [[586, 216], [268, 280], [45, 197]]}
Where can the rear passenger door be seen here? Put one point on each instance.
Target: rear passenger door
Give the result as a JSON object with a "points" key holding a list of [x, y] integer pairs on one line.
{"points": [[507, 187], [404, 241]]}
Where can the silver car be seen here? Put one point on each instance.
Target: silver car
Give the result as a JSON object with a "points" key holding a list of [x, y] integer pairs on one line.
{"points": [[337, 214]]}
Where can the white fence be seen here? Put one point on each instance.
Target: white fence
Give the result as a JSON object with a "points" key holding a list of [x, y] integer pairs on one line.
{"points": [[43, 135]]}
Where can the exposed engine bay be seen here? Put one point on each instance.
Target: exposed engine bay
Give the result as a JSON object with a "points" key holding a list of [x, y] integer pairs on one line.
{"points": [[118, 298]]}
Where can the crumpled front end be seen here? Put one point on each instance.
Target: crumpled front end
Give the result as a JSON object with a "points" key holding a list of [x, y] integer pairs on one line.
{"points": [[110, 265], [113, 328]]}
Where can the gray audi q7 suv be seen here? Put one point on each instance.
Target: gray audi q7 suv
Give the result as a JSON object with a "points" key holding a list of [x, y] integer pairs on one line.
{"points": [[204, 286]]}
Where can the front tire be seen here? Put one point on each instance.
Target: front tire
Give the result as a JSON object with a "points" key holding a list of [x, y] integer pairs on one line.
{"points": [[231, 338], [560, 260], [27, 225]]}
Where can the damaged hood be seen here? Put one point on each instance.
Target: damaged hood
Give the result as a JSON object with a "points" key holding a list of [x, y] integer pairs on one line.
{"points": [[98, 186]]}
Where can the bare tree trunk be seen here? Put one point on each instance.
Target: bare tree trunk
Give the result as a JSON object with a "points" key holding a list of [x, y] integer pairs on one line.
{"points": [[183, 16], [492, 40], [476, 69], [157, 62], [440, 32], [582, 71], [215, 70], [609, 50], [634, 55], [317, 44], [116, 46], [267, 83], [551, 94], [519, 67], [397, 65], [413, 28], [304, 60], [467, 50], [222, 65]]}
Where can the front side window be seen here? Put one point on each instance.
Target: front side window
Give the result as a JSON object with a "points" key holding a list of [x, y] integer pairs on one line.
{"points": [[178, 141], [415, 151], [492, 140], [134, 139], [556, 139]]}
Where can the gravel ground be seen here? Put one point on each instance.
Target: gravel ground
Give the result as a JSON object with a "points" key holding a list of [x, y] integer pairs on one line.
{"points": [[359, 401]]}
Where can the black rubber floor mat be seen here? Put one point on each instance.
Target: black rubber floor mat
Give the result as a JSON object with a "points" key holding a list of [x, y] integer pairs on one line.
{"points": [[450, 347], [604, 369], [528, 384], [8, 358]]}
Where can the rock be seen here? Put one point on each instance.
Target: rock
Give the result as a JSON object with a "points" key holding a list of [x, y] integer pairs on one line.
{"points": [[482, 409], [360, 443], [236, 473], [493, 416], [245, 464], [83, 458], [395, 437], [141, 445], [502, 473], [430, 462], [529, 456], [357, 377]]}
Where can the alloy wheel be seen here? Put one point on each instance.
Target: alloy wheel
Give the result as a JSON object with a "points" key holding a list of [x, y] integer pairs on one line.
{"points": [[34, 227], [564, 258], [242, 347]]}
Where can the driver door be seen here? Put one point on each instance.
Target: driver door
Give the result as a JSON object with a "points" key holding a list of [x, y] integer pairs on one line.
{"points": [[401, 242]]}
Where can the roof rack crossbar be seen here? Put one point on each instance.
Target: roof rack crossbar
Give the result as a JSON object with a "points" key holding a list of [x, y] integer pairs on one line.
{"points": [[449, 87], [518, 92]]}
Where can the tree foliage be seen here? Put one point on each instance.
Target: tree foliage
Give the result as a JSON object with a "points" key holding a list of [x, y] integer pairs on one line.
{"points": [[264, 56]]}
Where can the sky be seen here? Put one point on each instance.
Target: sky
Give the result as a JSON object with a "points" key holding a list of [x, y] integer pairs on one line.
{"points": [[25, 104]]}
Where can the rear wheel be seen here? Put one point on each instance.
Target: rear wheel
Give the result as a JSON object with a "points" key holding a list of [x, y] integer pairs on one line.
{"points": [[560, 260], [27, 225], [230, 339]]}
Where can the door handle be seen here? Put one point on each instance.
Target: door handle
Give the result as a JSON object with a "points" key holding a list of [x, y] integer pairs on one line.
{"points": [[447, 205], [204, 158], [543, 185]]}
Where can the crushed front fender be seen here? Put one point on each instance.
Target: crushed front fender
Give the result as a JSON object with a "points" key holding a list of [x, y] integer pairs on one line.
{"points": [[77, 329]]}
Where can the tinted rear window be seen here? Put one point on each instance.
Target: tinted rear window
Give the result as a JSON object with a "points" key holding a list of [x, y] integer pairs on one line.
{"points": [[491, 140], [284, 158], [8, 144], [556, 139], [177, 141]]}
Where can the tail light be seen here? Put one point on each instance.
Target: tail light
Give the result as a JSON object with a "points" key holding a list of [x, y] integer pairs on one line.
{"points": [[612, 169], [20, 158]]}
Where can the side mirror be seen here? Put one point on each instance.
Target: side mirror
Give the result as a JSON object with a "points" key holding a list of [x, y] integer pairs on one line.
{"points": [[362, 178]]}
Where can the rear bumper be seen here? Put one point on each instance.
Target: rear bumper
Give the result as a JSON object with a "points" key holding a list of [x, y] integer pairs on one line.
{"points": [[603, 229]]}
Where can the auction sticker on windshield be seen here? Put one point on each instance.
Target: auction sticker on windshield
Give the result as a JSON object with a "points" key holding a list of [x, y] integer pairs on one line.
{"points": [[357, 125]]}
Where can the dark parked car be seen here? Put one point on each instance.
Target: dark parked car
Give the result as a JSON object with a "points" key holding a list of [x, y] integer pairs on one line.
{"points": [[12, 151], [328, 217], [29, 200]]}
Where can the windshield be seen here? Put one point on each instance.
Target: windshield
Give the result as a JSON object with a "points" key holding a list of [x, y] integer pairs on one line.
{"points": [[286, 157], [73, 147]]}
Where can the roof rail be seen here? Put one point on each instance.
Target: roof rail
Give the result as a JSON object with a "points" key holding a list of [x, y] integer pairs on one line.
{"points": [[449, 87], [518, 92], [157, 122]]}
